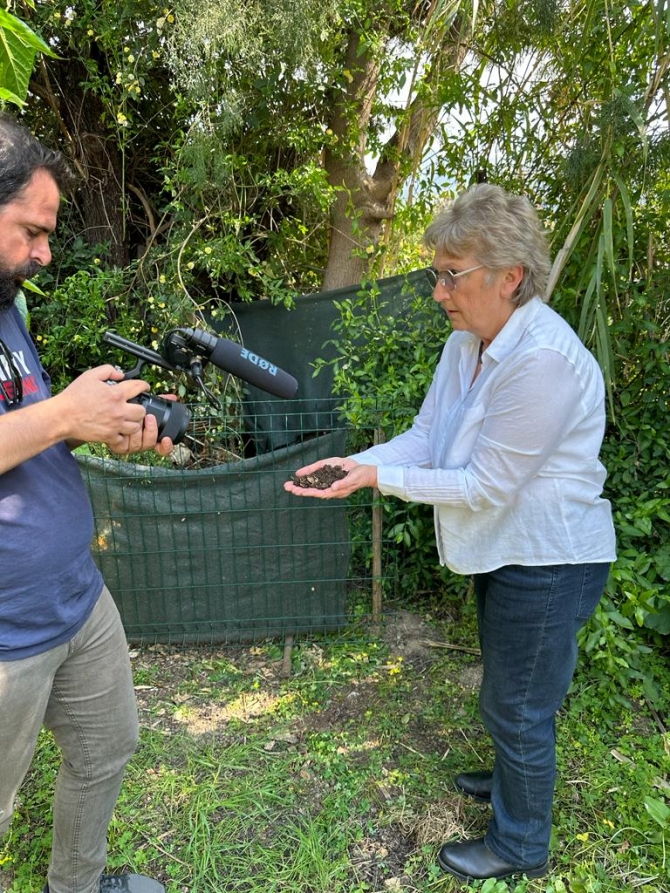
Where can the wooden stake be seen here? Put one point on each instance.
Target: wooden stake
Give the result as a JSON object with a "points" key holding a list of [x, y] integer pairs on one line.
{"points": [[377, 531]]}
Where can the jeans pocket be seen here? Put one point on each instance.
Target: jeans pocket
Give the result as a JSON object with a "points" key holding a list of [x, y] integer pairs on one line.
{"points": [[593, 585]]}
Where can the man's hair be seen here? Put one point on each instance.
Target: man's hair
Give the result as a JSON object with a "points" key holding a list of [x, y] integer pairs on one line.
{"points": [[21, 155], [499, 230]]}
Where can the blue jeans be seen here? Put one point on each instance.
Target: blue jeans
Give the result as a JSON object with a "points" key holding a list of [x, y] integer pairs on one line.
{"points": [[528, 621], [82, 691]]}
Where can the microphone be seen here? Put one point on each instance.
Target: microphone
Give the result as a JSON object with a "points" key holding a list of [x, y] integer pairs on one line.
{"points": [[233, 358]]}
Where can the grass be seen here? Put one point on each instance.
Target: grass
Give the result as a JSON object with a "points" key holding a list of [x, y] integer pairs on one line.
{"points": [[338, 779]]}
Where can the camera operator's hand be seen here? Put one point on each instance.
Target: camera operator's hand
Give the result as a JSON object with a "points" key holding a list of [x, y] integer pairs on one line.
{"points": [[89, 409], [145, 439], [98, 412]]}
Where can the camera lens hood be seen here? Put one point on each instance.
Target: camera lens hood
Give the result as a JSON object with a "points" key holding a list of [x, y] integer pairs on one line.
{"points": [[173, 418]]}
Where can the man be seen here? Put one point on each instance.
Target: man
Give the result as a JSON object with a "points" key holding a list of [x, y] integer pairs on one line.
{"points": [[63, 655]]}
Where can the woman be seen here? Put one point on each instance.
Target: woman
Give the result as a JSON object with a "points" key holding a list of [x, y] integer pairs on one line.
{"points": [[505, 447]]}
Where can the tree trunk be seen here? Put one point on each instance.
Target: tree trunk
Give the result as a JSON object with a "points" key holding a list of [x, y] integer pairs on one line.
{"points": [[365, 201], [360, 199]]}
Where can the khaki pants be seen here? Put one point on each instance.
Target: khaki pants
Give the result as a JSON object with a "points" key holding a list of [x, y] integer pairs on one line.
{"points": [[83, 692]]}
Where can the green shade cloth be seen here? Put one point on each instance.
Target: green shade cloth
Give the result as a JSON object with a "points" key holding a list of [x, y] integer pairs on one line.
{"points": [[222, 554]]}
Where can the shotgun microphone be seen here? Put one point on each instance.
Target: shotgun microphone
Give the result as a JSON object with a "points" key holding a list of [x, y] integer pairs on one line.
{"points": [[231, 357]]}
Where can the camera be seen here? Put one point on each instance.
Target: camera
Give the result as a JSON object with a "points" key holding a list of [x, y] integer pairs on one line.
{"points": [[173, 418], [189, 350]]}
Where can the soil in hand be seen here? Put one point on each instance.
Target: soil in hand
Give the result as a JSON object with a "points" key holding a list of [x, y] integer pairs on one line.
{"points": [[320, 479]]}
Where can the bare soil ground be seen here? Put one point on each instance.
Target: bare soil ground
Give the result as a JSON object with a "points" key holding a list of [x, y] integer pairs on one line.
{"points": [[381, 856]]}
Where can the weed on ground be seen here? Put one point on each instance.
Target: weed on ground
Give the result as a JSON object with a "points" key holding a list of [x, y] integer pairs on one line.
{"points": [[337, 778]]}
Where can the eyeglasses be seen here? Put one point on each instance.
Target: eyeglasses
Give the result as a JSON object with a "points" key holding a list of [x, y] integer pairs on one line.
{"points": [[14, 395], [447, 278]]}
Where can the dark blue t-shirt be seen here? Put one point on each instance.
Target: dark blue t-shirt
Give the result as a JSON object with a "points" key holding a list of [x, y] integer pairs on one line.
{"points": [[49, 583]]}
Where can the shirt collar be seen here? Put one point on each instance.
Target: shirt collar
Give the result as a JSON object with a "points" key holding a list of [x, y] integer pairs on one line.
{"points": [[511, 333]]}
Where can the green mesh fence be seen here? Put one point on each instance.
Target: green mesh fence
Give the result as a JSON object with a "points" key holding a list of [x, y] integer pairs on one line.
{"points": [[217, 551], [221, 554]]}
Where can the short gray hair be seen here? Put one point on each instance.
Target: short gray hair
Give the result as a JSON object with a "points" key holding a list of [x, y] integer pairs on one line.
{"points": [[500, 230]]}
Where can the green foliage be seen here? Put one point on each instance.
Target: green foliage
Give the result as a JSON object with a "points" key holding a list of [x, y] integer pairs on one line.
{"points": [[632, 624], [610, 752], [388, 345], [240, 249], [19, 45], [338, 779], [206, 115], [68, 325]]}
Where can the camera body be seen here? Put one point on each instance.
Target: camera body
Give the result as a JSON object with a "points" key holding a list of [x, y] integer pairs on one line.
{"points": [[173, 418]]}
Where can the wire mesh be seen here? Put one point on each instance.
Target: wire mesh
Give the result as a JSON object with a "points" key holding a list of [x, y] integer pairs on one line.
{"points": [[217, 551]]}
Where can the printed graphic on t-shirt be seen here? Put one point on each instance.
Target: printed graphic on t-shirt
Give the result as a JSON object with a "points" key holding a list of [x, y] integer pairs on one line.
{"points": [[29, 380]]}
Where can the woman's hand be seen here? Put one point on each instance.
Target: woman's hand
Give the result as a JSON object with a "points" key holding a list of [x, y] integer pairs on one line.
{"points": [[357, 477]]}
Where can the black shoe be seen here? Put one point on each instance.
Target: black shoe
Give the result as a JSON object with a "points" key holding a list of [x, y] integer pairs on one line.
{"points": [[472, 860], [476, 785], [126, 883]]}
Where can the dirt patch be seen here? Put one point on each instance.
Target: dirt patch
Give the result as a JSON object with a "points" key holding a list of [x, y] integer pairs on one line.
{"points": [[410, 637], [379, 861]]}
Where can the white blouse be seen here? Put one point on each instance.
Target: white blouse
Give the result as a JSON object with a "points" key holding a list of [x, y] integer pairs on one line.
{"points": [[510, 462]]}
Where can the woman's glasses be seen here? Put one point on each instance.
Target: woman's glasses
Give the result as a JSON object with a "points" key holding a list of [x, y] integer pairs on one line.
{"points": [[11, 386], [447, 278]]}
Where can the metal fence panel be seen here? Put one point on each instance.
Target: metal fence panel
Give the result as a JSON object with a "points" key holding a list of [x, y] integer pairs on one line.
{"points": [[221, 554]]}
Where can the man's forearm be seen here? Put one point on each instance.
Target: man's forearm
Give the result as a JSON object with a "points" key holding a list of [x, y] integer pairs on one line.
{"points": [[26, 432]]}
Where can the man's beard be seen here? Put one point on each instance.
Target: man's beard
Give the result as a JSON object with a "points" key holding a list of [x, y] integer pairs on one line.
{"points": [[11, 281]]}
